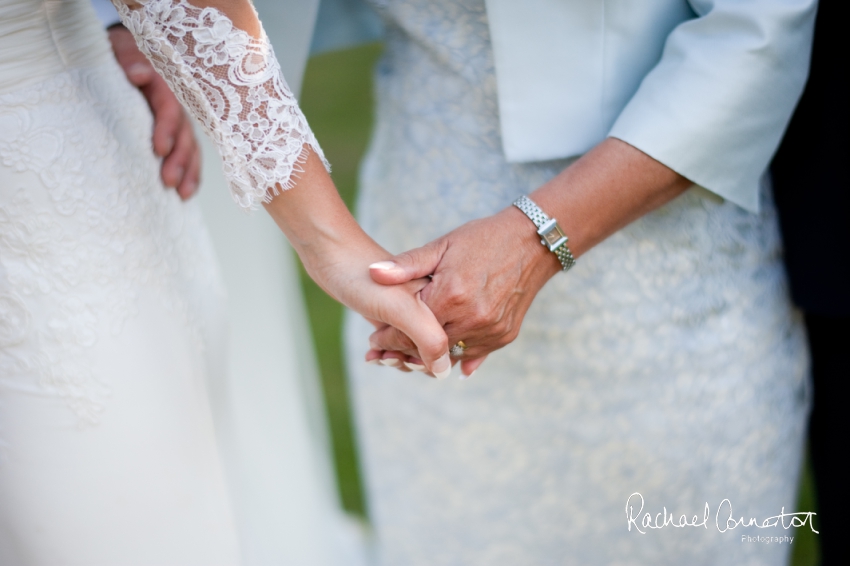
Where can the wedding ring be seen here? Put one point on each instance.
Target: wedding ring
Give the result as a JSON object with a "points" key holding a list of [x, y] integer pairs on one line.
{"points": [[458, 349]]}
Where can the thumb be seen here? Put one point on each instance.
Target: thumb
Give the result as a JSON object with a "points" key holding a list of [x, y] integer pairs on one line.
{"points": [[410, 265]]}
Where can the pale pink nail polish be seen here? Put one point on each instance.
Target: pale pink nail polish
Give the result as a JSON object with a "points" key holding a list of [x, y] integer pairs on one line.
{"points": [[442, 367]]}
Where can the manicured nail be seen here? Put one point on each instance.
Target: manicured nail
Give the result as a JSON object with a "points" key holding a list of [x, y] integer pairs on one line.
{"points": [[445, 363], [390, 361], [374, 362], [383, 265], [464, 377], [139, 70], [414, 367]]}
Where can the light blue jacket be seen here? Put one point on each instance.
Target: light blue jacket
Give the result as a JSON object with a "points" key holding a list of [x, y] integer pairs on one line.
{"points": [[706, 87]]}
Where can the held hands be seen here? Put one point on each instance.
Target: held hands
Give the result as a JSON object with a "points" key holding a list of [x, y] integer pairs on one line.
{"points": [[487, 272], [343, 275], [173, 137], [336, 252], [485, 275]]}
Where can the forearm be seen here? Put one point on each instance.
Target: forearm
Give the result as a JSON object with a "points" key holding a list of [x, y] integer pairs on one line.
{"points": [[336, 252], [609, 187], [320, 227]]}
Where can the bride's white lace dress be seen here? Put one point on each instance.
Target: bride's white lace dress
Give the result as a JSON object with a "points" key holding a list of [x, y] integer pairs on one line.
{"points": [[123, 440], [668, 361]]}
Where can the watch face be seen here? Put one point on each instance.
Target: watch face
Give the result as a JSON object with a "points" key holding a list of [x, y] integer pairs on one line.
{"points": [[553, 235]]}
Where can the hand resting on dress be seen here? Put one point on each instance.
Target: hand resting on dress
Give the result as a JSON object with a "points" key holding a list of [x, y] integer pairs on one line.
{"points": [[173, 135]]}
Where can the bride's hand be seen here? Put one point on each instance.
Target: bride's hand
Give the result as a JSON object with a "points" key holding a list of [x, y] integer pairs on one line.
{"points": [[262, 144], [344, 275], [337, 253]]}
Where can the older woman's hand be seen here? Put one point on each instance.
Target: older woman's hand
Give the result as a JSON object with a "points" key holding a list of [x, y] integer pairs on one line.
{"points": [[484, 276], [487, 272]]}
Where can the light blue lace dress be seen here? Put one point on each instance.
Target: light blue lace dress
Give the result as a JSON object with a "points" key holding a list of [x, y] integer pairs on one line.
{"points": [[668, 362]]}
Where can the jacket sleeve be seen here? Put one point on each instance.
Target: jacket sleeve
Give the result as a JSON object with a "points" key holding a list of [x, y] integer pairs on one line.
{"points": [[715, 106]]}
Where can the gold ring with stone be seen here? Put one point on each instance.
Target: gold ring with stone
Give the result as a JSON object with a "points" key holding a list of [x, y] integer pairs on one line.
{"points": [[458, 349]]}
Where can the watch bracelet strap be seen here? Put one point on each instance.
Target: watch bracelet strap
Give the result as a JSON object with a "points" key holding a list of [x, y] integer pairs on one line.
{"points": [[539, 218], [565, 256], [530, 209]]}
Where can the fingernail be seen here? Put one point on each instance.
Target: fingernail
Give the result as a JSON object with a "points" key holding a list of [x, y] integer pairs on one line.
{"points": [[390, 361], [383, 265], [445, 363], [169, 145], [138, 69], [190, 188], [374, 362], [464, 377], [414, 367]]}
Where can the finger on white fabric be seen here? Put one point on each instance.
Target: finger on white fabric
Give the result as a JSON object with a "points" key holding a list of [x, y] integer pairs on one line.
{"points": [[189, 184], [139, 71], [137, 67], [176, 166]]}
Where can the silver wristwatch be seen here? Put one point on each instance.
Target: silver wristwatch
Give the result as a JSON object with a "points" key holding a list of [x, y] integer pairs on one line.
{"points": [[550, 233]]}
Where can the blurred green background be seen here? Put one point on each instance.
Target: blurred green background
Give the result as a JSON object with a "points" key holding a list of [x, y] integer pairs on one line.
{"points": [[337, 100]]}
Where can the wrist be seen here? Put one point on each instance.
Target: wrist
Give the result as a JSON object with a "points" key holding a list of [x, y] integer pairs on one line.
{"points": [[320, 228], [311, 214], [524, 235], [547, 231]]}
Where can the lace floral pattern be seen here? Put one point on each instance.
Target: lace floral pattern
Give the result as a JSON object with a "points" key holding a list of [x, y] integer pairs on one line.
{"points": [[232, 84], [86, 229]]}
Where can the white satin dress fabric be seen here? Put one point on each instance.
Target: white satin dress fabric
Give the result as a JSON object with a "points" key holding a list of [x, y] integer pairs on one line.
{"points": [[138, 426]]}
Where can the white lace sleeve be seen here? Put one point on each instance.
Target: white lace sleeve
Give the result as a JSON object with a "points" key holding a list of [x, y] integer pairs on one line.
{"points": [[232, 84]]}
